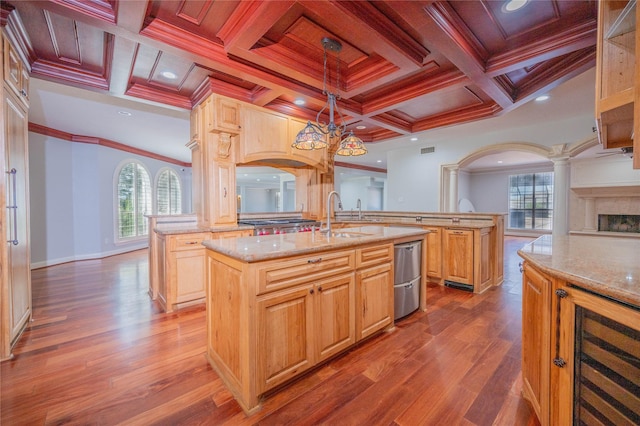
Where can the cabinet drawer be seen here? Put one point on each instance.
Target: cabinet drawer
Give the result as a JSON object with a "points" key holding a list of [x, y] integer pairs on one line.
{"points": [[278, 275], [371, 256], [188, 241]]}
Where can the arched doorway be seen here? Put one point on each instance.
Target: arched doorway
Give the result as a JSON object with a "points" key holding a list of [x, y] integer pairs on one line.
{"points": [[558, 154]]}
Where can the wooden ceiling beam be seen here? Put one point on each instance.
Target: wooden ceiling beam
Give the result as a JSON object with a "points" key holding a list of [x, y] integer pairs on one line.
{"points": [[451, 38], [569, 40]]}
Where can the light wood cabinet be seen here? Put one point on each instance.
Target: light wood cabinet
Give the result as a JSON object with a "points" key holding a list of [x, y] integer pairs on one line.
{"points": [[302, 326], [434, 252], [214, 181], [15, 259], [269, 321], [180, 272], [16, 74], [617, 73], [458, 251], [468, 258], [268, 135], [536, 340], [374, 289], [573, 342], [264, 136], [221, 115], [221, 199]]}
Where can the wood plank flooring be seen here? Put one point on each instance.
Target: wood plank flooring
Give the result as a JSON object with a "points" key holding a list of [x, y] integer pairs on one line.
{"points": [[100, 352]]}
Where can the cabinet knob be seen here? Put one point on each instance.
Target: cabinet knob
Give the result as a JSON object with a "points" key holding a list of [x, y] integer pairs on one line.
{"points": [[311, 291], [520, 266], [320, 288]]}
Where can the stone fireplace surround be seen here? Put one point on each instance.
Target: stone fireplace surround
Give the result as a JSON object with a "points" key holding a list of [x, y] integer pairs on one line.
{"points": [[587, 203]]}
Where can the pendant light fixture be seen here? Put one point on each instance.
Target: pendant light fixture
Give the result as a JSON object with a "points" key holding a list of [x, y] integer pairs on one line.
{"points": [[314, 135]]}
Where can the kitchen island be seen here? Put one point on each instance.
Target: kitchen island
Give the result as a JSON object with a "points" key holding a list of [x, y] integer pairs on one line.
{"points": [[581, 328], [279, 305]]}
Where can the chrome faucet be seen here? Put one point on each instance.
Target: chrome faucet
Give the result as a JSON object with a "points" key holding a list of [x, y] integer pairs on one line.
{"points": [[332, 193], [359, 207]]}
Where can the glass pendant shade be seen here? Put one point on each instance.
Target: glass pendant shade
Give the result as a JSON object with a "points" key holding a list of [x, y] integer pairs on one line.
{"points": [[310, 138], [351, 146]]}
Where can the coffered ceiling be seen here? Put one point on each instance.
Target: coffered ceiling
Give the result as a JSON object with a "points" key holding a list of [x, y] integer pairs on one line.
{"points": [[405, 66]]}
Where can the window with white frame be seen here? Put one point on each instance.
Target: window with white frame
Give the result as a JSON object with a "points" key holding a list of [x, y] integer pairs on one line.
{"points": [[168, 193], [531, 201], [134, 200]]}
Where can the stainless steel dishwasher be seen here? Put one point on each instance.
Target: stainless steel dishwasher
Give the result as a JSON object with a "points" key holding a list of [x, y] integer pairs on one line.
{"points": [[406, 289]]}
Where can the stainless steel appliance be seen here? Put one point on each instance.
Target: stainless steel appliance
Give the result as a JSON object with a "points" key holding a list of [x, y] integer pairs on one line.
{"points": [[280, 225], [406, 289]]}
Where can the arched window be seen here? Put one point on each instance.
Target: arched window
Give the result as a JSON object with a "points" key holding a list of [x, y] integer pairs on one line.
{"points": [[168, 193], [134, 200]]}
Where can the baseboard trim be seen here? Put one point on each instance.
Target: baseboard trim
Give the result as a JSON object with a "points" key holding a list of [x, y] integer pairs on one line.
{"points": [[92, 256]]}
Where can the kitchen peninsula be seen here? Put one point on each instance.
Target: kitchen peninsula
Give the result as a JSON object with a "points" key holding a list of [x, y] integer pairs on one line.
{"points": [[581, 328], [278, 305]]}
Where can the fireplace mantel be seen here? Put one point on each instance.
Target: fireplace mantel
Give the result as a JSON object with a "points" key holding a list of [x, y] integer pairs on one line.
{"points": [[588, 202], [608, 191]]}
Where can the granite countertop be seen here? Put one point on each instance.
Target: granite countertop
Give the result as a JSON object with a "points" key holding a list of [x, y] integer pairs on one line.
{"points": [[192, 228], [254, 249], [608, 266], [466, 223]]}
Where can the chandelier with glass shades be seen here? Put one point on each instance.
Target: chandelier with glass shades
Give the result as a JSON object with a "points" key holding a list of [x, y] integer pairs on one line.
{"points": [[314, 135]]}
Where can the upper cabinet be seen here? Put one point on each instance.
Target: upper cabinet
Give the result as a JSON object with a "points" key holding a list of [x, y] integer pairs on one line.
{"points": [[16, 74], [221, 115], [264, 136], [616, 76], [268, 135]]}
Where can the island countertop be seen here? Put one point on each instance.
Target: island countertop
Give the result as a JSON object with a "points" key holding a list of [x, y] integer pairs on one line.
{"points": [[258, 248], [604, 265]]}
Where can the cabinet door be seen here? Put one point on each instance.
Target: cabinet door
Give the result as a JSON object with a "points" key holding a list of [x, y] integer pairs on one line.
{"points": [[222, 115], [285, 331], [334, 314], [264, 136], [13, 71], [536, 340], [188, 275], [224, 199], [17, 217], [434, 252], [458, 252], [374, 299]]}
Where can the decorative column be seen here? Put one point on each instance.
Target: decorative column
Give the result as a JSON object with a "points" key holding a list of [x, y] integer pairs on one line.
{"points": [[453, 189], [590, 214], [560, 195]]}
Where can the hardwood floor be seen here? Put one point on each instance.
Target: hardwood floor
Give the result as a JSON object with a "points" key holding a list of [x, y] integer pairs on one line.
{"points": [[99, 351]]}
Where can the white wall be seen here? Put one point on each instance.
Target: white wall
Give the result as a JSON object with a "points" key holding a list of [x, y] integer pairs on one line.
{"points": [[414, 178], [72, 199]]}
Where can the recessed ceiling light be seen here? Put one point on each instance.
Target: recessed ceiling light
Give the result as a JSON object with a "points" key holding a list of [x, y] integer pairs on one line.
{"points": [[126, 113], [361, 127], [258, 180], [299, 102], [513, 5], [499, 161], [379, 161], [413, 139], [275, 177], [168, 74], [542, 98]]}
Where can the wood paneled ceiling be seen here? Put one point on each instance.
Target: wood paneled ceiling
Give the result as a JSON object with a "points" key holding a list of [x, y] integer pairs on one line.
{"points": [[405, 66]]}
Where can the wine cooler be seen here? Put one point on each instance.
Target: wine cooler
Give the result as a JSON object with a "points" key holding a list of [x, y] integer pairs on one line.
{"points": [[606, 362]]}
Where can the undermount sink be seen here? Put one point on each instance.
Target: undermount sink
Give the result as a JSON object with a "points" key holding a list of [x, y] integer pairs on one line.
{"points": [[347, 234]]}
